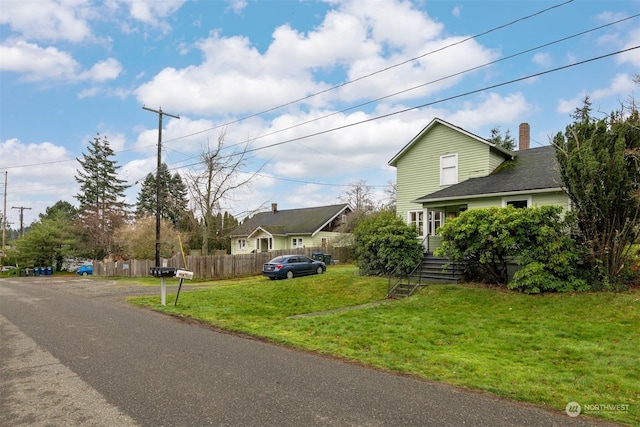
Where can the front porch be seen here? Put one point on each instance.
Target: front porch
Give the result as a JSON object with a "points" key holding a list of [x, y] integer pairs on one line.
{"points": [[428, 221]]}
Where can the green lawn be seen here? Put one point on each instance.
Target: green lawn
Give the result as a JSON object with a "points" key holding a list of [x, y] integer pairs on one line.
{"points": [[545, 349]]}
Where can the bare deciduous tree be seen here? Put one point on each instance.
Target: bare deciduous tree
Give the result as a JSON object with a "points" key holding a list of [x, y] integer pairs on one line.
{"points": [[391, 190], [359, 196], [216, 182]]}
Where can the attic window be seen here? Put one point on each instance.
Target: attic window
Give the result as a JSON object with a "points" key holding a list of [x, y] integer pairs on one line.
{"points": [[449, 169]]}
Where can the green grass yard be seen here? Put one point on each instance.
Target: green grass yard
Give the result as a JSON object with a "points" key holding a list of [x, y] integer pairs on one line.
{"points": [[545, 349]]}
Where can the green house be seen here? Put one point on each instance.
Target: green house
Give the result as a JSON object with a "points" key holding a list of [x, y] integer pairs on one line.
{"points": [[277, 229], [445, 170]]}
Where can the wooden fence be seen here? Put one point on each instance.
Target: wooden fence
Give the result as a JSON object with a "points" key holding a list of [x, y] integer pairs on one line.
{"points": [[213, 266]]}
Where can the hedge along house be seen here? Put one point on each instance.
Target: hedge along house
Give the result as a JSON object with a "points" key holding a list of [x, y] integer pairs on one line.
{"points": [[445, 170], [290, 229]]}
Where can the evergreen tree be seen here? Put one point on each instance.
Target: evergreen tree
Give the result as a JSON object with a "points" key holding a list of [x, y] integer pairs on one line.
{"points": [[505, 141], [50, 239], [102, 207], [599, 162], [62, 209], [173, 198]]}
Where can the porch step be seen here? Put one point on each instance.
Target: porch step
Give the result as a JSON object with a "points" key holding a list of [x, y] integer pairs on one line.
{"points": [[432, 269], [437, 269], [403, 290]]}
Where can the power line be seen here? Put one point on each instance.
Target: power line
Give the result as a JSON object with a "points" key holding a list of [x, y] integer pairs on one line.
{"points": [[377, 72], [427, 104], [436, 80], [499, 27]]}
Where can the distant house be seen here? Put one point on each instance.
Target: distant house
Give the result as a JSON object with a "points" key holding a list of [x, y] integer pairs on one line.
{"points": [[445, 170], [290, 229]]}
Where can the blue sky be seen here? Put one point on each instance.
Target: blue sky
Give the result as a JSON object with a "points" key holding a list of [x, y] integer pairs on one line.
{"points": [[72, 68]]}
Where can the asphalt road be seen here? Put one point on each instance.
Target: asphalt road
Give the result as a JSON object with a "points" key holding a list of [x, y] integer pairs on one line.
{"points": [[74, 353]]}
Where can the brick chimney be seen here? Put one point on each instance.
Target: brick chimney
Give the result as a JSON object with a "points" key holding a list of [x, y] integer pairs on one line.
{"points": [[274, 207], [524, 136]]}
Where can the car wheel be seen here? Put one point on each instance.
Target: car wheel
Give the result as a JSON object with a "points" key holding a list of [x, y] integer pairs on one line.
{"points": [[84, 273], [320, 270], [272, 278], [290, 274]]}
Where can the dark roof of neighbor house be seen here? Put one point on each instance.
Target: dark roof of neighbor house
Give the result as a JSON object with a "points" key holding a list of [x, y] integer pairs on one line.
{"points": [[291, 221], [532, 169]]}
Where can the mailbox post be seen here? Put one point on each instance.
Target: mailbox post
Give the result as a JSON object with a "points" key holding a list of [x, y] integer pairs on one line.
{"points": [[182, 274], [162, 273]]}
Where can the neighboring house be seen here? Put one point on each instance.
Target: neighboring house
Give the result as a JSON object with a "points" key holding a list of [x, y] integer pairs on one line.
{"points": [[290, 229], [445, 170]]}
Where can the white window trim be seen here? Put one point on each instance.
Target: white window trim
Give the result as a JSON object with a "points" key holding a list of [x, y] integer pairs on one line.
{"points": [[269, 245], [444, 156], [242, 244], [432, 223], [527, 197], [422, 230], [297, 242]]}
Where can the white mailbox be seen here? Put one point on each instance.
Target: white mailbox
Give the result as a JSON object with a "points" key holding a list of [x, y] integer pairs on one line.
{"points": [[184, 274]]}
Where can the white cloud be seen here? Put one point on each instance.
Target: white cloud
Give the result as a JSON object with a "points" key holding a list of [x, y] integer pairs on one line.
{"points": [[632, 57], [153, 12], [39, 174], [234, 79], [237, 5], [495, 109], [542, 59], [36, 63], [353, 40], [48, 19], [619, 88], [183, 136], [109, 69]]}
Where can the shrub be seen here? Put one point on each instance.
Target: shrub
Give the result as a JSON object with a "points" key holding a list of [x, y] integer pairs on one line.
{"points": [[536, 238], [384, 243]]}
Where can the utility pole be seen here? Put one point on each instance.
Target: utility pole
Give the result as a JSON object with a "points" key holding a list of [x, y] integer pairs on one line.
{"points": [[22, 209], [4, 216], [160, 113]]}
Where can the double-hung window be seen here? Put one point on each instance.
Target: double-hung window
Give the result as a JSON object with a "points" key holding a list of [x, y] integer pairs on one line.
{"points": [[296, 242], [449, 169]]}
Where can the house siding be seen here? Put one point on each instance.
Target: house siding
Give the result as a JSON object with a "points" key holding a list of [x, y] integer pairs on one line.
{"points": [[285, 242], [557, 198], [418, 170]]}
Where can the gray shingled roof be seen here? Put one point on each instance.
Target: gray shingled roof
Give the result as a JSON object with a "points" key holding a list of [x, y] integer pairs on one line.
{"points": [[291, 221], [532, 169]]}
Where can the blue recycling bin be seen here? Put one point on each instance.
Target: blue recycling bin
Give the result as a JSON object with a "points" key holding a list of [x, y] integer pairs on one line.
{"points": [[49, 271]]}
